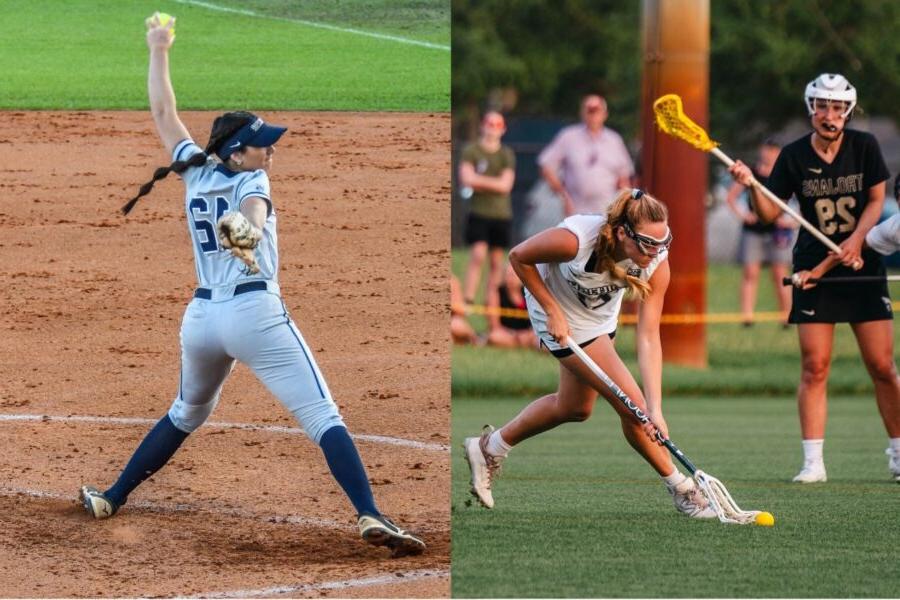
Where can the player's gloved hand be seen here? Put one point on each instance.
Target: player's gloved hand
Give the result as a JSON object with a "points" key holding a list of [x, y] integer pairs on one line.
{"points": [[241, 238]]}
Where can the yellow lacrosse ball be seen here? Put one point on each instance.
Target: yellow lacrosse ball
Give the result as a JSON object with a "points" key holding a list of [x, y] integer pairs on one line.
{"points": [[765, 519]]}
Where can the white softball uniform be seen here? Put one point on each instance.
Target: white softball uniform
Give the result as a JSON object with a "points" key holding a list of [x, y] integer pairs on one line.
{"points": [[884, 238], [235, 316], [590, 301]]}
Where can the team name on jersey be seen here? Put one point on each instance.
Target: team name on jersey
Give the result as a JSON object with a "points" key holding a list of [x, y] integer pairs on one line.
{"points": [[827, 186], [596, 297]]}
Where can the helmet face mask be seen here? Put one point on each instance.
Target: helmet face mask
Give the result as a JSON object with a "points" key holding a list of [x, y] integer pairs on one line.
{"points": [[828, 89]]}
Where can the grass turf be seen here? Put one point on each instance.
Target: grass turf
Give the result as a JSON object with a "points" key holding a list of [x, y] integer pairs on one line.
{"points": [[580, 515], [91, 54]]}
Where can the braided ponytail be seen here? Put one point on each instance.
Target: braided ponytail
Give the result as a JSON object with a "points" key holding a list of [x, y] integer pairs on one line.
{"points": [[222, 128], [627, 209]]}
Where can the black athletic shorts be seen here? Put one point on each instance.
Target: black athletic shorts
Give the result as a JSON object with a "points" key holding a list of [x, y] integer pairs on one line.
{"points": [[493, 231], [564, 352], [842, 303]]}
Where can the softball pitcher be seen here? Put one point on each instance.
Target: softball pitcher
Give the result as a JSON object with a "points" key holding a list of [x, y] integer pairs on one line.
{"points": [[237, 312]]}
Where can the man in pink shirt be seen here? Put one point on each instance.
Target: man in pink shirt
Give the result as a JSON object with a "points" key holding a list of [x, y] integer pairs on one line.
{"points": [[586, 164]]}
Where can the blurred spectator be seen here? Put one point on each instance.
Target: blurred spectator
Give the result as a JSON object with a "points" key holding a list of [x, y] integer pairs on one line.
{"points": [[762, 242], [460, 330], [505, 330], [586, 164], [486, 176]]}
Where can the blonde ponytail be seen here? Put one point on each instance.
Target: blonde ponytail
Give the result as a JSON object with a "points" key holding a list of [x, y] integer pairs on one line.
{"points": [[634, 207]]}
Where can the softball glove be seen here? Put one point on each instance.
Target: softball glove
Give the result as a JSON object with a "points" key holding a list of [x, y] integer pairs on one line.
{"points": [[240, 237]]}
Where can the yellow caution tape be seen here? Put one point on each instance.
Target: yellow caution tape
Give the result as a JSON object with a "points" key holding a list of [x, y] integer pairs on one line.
{"points": [[628, 319]]}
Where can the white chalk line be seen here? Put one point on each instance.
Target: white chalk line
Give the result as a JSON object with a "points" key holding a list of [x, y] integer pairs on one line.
{"points": [[402, 577], [378, 439], [371, 34], [157, 507], [392, 578]]}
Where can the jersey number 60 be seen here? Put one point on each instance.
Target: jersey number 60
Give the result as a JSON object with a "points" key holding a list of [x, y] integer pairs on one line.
{"points": [[205, 221]]}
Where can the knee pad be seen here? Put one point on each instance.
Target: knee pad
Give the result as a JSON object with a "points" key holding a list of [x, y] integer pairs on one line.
{"points": [[188, 417]]}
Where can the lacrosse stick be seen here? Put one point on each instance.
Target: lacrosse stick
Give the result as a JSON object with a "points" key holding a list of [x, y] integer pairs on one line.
{"points": [[864, 279], [671, 119], [726, 508]]}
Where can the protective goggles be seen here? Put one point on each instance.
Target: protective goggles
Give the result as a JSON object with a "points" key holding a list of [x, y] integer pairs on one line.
{"points": [[648, 245]]}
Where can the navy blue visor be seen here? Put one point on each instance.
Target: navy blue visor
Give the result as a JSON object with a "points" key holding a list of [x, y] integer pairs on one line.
{"points": [[256, 133]]}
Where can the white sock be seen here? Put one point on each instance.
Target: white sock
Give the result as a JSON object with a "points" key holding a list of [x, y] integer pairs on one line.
{"points": [[812, 451], [674, 479], [496, 446], [895, 446]]}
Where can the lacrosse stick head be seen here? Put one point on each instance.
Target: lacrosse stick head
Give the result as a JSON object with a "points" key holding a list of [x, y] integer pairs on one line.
{"points": [[721, 501], [671, 119]]}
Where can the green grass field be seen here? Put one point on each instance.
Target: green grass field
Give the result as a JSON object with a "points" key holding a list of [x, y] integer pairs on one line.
{"points": [[91, 54], [579, 514]]}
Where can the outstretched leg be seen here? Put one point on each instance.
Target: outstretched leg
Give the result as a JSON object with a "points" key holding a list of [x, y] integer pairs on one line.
{"points": [[279, 356], [153, 453], [204, 370]]}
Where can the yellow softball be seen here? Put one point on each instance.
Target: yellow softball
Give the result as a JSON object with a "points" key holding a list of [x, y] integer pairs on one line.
{"points": [[161, 19]]}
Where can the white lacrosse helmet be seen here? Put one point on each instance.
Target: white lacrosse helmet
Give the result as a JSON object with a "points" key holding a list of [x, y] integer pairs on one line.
{"points": [[830, 86]]}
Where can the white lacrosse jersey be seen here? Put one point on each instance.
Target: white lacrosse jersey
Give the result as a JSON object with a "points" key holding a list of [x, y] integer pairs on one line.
{"points": [[590, 301], [884, 238], [210, 192]]}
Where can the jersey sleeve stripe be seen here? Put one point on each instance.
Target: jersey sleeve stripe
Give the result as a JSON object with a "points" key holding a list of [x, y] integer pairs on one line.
{"points": [[179, 148]]}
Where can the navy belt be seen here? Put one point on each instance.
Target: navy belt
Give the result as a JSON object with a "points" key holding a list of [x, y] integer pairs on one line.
{"points": [[243, 288]]}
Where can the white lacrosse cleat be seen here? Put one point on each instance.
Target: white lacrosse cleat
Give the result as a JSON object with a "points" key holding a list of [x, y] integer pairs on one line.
{"points": [[893, 464], [484, 467], [812, 472], [688, 499]]}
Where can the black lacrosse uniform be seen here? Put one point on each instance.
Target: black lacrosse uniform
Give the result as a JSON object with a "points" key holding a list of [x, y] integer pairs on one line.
{"points": [[832, 197]]}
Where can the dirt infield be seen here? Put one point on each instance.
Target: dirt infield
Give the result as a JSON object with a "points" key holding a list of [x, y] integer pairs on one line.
{"points": [[93, 304]]}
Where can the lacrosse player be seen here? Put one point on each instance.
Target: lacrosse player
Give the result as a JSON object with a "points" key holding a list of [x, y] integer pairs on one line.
{"points": [[575, 276], [838, 175]]}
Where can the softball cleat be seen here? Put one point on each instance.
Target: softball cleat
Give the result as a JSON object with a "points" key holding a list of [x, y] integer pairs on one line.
{"points": [[483, 466], [96, 504], [689, 500], [381, 531], [812, 472]]}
